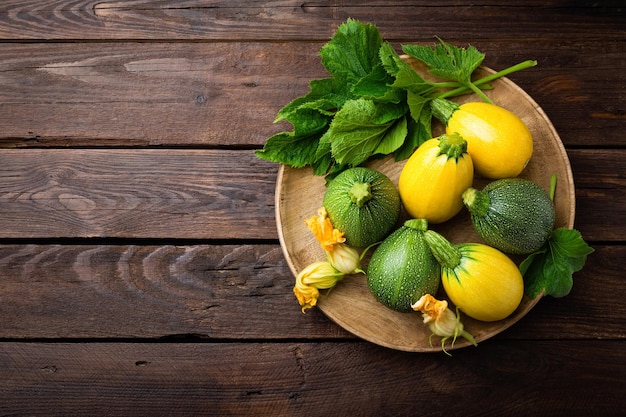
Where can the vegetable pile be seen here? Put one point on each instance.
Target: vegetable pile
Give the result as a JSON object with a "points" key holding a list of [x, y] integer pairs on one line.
{"points": [[374, 103]]}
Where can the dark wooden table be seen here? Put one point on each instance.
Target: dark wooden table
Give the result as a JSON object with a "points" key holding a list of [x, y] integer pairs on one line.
{"points": [[140, 268]]}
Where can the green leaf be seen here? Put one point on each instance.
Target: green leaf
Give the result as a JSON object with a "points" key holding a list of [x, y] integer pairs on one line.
{"points": [[419, 107], [323, 156], [390, 59], [377, 85], [289, 149], [405, 76], [297, 148], [418, 127], [411, 142], [393, 138], [448, 61], [360, 127], [550, 269], [326, 95], [411, 81], [418, 132], [352, 53]]}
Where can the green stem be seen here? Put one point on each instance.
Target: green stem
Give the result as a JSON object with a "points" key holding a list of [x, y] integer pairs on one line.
{"points": [[443, 109], [552, 186], [453, 146], [417, 224], [469, 337], [453, 93], [367, 250], [477, 202], [507, 71], [445, 252], [448, 84], [478, 91], [360, 193], [464, 89]]}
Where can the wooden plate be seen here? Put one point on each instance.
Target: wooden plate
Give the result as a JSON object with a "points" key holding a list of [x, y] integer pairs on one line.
{"points": [[299, 194]]}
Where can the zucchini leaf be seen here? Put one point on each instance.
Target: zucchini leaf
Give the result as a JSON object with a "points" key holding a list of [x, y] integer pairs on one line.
{"points": [[448, 61], [550, 269], [352, 53], [326, 95], [405, 77], [351, 57], [418, 132], [363, 128], [378, 85], [299, 147]]}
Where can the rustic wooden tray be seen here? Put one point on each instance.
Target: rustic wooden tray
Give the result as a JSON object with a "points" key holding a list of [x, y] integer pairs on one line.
{"points": [[299, 194]]}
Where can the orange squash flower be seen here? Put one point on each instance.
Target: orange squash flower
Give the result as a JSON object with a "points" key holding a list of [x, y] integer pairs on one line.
{"points": [[441, 320], [343, 257], [316, 276]]}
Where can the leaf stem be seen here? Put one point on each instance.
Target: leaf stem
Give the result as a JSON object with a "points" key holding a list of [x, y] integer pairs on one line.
{"points": [[552, 186], [480, 93], [448, 84], [464, 89], [507, 71]]}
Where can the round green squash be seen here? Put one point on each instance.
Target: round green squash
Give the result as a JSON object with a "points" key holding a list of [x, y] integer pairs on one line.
{"points": [[402, 268], [513, 215], [364, 204]]}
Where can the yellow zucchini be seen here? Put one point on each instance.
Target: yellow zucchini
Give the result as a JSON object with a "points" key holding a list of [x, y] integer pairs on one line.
{"points": [[498, 140], [481, 281], [434, 177]]}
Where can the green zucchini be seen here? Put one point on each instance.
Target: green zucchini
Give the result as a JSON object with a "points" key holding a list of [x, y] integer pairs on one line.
{"points": [[402, 268], [513, 215], [363, 204]]}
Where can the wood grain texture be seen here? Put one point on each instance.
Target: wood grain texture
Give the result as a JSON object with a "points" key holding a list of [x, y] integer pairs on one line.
{"points": [[220, 94], [228, 94], [287, 379], [210, 194], [297, 20], [598, 187], [187, 194], [213, 291], [231, 292]]}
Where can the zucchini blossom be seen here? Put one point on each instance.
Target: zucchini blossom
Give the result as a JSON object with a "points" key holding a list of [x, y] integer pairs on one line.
{"points": [[342, 257], [317, 276], [441, 320]]}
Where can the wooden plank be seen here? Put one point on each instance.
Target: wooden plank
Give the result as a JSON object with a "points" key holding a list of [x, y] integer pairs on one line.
{"points": [[231, 292], [133, 193], [224, 94], [216, 94], [219, 20], [184, 194], [287, 379], [600, 189], [130, 291]]}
